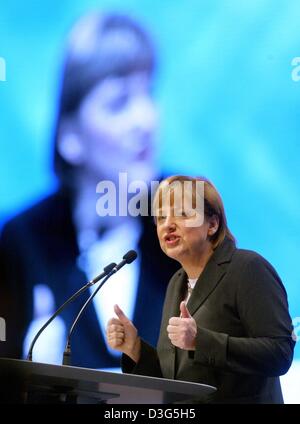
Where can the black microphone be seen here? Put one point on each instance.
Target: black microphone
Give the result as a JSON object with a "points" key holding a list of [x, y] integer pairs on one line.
{"points": [[129, 257], [105, 272]]}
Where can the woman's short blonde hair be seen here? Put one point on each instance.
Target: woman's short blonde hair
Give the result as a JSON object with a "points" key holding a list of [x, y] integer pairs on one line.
{"points": [[213, 204]]}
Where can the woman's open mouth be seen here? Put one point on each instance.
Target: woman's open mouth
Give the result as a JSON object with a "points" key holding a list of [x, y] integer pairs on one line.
{"points": [[171, 240]]}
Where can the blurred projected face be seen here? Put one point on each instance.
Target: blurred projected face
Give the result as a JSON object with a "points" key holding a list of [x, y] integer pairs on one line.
{"points": [[116, 123]]}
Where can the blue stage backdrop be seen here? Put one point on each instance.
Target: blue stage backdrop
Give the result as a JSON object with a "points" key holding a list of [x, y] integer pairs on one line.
{"points": [[228, 90]]}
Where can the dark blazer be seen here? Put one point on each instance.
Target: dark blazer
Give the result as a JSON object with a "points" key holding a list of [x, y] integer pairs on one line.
{"points": [[39, 246], [244, 338]]}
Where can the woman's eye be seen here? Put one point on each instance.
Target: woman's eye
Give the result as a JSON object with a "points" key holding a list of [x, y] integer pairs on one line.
{"points": [[180, 213], [190, 213], [118, 103]]}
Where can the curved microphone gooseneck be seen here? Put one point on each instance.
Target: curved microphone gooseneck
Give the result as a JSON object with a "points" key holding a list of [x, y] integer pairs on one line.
{"points": [[127, 259], [105, 272]]}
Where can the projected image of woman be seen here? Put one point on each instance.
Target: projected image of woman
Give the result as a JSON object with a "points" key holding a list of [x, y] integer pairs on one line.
{"points": [[106, 124]]}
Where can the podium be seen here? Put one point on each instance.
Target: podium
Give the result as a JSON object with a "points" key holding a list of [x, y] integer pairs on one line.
{"points": [[36, 383]]}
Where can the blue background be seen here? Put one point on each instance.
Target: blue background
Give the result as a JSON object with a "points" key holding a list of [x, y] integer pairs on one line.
{"points": [[230, 109]]}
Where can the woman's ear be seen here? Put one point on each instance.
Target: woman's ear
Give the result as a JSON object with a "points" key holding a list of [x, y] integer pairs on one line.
{"points": [[213, 225], [69, 144]]}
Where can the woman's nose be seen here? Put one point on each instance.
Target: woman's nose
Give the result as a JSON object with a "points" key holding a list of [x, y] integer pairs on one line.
{"points": [[144, 116], [170, 222]]}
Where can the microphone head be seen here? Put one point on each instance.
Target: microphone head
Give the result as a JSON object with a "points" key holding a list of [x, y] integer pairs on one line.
{"points": [[130, 256]]}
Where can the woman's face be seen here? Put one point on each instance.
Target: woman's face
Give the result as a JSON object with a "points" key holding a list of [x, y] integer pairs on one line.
{"points": [[179, 238], [116, 124]]}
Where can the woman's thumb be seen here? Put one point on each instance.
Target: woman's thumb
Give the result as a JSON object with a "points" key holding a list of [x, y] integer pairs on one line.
{"points": [[184, 311], [120, 314]]}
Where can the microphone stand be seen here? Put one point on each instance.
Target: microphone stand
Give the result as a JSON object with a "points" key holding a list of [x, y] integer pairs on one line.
{"points": [[107, 271], [67, 352], [127, 259]]}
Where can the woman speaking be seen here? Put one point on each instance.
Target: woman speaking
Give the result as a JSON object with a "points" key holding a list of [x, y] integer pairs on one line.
{"points": [[225, 320]]}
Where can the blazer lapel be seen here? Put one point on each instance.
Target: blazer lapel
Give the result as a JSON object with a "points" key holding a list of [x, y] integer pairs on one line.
{"points": [[178, 294], [167, 350], [212, 275]]}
